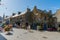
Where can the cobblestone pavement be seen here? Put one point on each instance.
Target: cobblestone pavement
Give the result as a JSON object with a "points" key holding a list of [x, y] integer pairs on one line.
{"points": [[21, 34]]}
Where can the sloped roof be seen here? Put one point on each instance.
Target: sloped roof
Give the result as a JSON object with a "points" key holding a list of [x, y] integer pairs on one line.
{"points": [[14, 16], [19, 14], [23, 12], [7, 18]]}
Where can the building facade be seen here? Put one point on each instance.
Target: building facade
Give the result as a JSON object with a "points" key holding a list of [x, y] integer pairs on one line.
{"points": [[41, 17], [57, 15]]}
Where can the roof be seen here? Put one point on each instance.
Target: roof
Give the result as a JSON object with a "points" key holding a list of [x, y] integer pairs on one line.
{"points": [[23, 12], [19, 14], [16, 15], [7, 18]]}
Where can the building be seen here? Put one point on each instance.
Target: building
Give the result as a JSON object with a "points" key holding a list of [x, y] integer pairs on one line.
{"points": [[57, 15], [1, 19], [41, 17]]}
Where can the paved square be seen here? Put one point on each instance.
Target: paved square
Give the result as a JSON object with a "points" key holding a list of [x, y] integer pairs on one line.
{"points": [[21, 34]]}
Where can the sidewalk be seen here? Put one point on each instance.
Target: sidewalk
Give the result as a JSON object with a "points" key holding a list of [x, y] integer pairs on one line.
{"points": [[21, 34]]}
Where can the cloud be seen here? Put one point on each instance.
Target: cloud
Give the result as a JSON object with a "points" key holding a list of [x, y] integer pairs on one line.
{"points": [[54, 8]]}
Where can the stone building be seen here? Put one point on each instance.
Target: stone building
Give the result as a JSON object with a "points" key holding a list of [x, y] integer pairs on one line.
{"points": [[57, 15], [41, 17]]}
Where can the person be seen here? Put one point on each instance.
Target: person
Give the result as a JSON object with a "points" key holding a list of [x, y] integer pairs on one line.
{"points": [[26, 25], [14, 25], [45, 27], [58, 28], [7, 22]]}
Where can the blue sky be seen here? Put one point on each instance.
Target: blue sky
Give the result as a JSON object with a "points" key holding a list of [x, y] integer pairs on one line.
{"points": [[13, 6]]}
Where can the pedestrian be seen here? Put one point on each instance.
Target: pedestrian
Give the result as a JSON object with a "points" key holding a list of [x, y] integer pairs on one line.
{"points": [[26, 25]]}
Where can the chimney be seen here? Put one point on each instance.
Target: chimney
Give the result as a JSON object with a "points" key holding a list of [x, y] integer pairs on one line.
{"points": [[35, 10], [19, 13], [13, 14], [28, 10]]}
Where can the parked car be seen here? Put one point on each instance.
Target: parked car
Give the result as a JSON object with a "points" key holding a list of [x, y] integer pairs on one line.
{"points": [[49, 29], [1, 28], [52, 29]]}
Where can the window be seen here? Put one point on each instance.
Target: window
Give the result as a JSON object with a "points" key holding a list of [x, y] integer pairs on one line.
{"points": [[45, 18]]}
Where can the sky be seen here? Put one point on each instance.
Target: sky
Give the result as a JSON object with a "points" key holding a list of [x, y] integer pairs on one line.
{"points": [[8, 7]]}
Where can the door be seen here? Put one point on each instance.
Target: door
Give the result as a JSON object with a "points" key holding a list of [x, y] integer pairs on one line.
{"points": [[45, 26]]}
